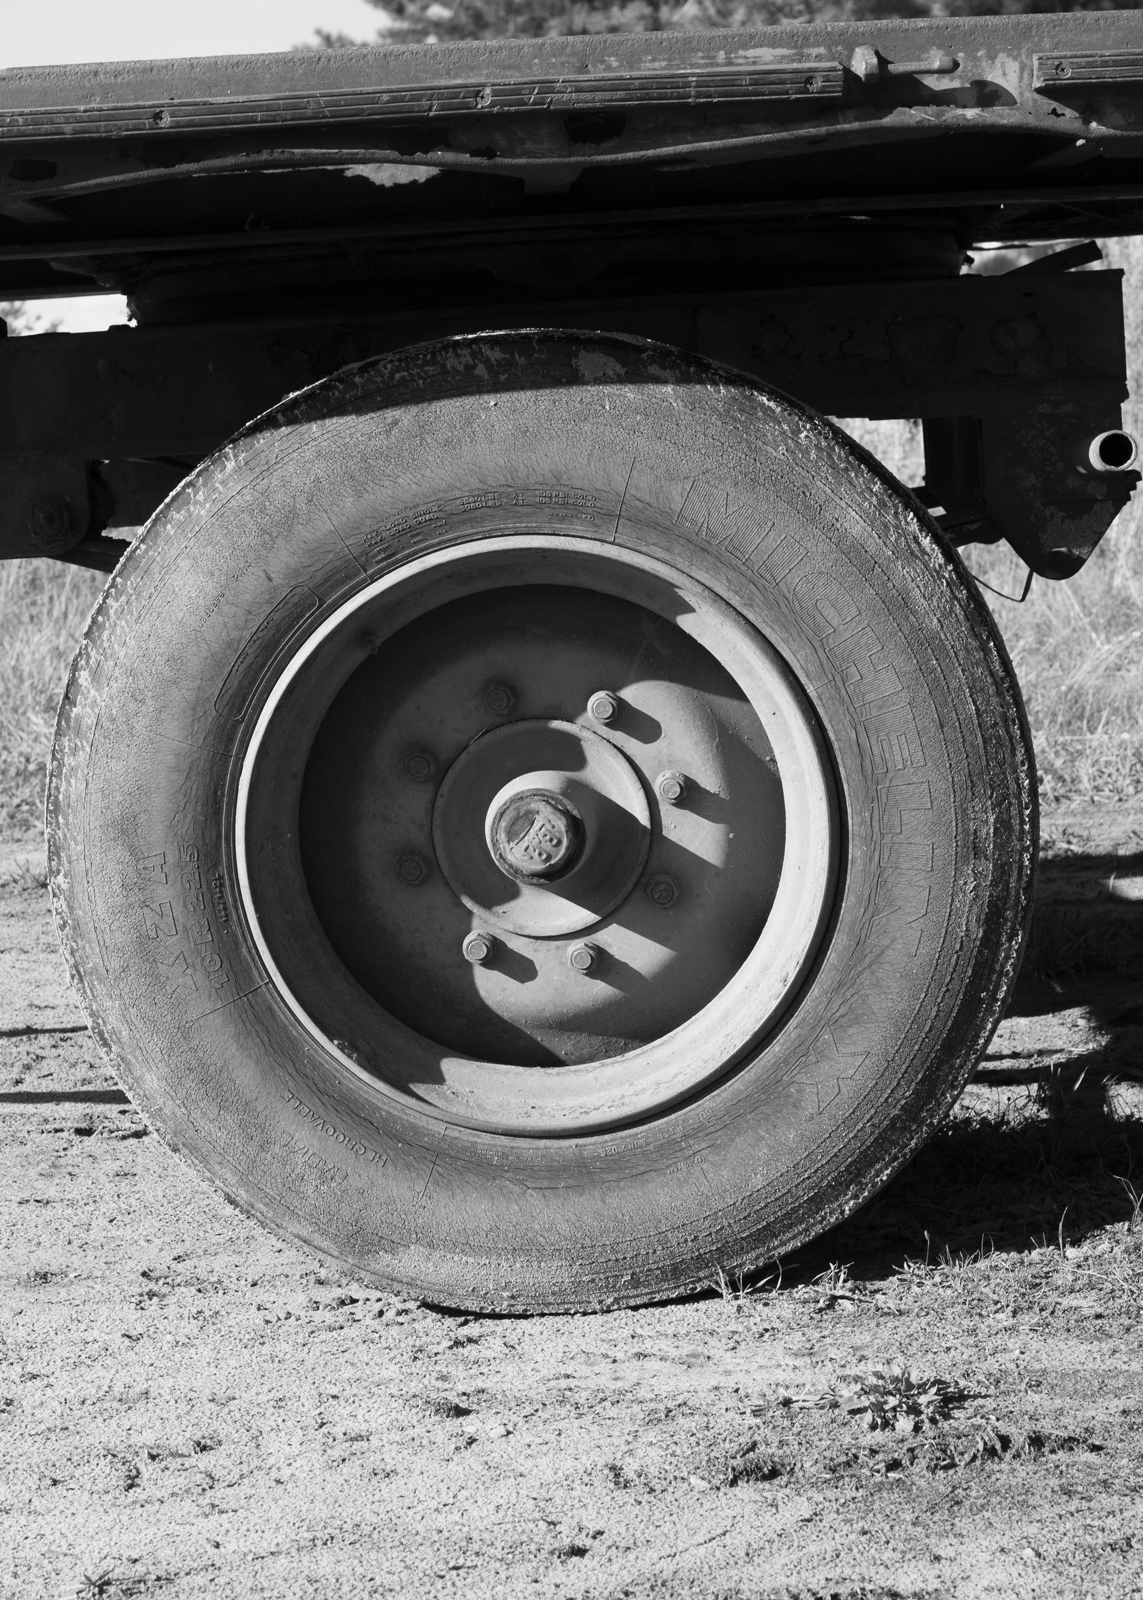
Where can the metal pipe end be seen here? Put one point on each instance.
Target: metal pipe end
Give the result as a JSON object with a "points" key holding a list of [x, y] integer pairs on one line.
{"points": [[1111, 451]]}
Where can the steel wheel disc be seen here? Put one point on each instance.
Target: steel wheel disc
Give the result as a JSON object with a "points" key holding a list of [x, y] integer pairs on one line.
{"points": [[490, 901]]}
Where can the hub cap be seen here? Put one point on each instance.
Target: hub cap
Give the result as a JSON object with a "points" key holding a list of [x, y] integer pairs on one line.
{"points": [[545, 850], [536, 836]]}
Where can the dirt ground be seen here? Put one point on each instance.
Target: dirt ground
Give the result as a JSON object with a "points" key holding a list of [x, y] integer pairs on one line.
{"points": [[189, 1407]]}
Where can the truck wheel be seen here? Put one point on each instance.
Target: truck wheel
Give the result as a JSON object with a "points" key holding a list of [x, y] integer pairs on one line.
{"points": [[541, 819]]}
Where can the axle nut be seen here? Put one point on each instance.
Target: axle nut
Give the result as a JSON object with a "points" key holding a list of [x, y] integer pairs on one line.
{"points": [[499, 697], [412, 868], [584, 957], [662, 890], [479, 948], [536, 836], [603, 706], [671, 787]]}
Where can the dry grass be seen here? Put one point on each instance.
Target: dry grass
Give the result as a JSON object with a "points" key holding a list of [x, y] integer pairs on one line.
{"points": [[1077, 646], [1078, 652], [44, 607]]}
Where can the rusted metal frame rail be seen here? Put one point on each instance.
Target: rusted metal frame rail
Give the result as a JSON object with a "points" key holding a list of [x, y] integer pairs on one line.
{"points": [[998, 205], [528, 149], [1035, 363], [573, 104]]}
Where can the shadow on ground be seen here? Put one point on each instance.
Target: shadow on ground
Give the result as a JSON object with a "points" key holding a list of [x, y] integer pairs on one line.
{"points": [[1088, 917], [1046, 1146]]}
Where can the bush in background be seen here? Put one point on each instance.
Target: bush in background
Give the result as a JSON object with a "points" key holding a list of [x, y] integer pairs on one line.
{"points": [[430, 21], [20, 317]]}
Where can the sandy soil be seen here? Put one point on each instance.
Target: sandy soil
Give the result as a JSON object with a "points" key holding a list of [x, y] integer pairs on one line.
{"points": [[189, 1407]]}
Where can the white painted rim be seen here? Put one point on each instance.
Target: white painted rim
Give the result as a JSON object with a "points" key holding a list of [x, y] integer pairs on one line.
{"points": [[647, 1081]]}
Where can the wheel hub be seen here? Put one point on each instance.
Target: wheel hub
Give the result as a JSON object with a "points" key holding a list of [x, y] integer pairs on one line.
{"points": [[558, 871], [541, 827], [535, 836]]}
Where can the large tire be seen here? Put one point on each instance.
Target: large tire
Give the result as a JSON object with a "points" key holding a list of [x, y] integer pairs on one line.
{"points": [[263, 886]]}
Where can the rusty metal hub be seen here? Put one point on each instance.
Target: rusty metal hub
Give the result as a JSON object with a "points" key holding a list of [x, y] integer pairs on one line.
{"points": [[541, 827], [536, 836]]}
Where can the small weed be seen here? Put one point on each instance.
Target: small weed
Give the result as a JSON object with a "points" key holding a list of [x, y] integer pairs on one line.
{"points": [[440, 1406], [24, 876], [984, 1442], [1135, 1223], [730, 1468], [115, 1584], [1034, 1445], [890, 1397], [621, 1477], [745, 1284], [124, 1472], [834, 1280], [751, 1465], [896, 1398], [830, 1287], [40, 1276], [976, 1443]]}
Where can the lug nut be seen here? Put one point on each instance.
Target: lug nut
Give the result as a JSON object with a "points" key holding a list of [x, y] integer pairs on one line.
{"points": [[420, 765], [499, 697], [662, 890], [603, 706], [584, 957], [671, 787], [479, 948], [412, 868]]}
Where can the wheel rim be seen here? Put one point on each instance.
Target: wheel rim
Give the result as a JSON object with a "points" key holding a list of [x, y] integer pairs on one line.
{"points": [[537, 835]]}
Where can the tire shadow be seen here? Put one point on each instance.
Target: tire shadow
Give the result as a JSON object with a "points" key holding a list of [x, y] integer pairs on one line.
{"points": [[1046, 1145], [1088, 919]]}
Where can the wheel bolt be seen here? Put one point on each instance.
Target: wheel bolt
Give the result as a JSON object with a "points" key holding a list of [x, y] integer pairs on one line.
{"points": [[412, 868], [584, 957], [603, 706], [662, 890], [671, 787], [499, 697], [479, 948], [420, 765]]}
